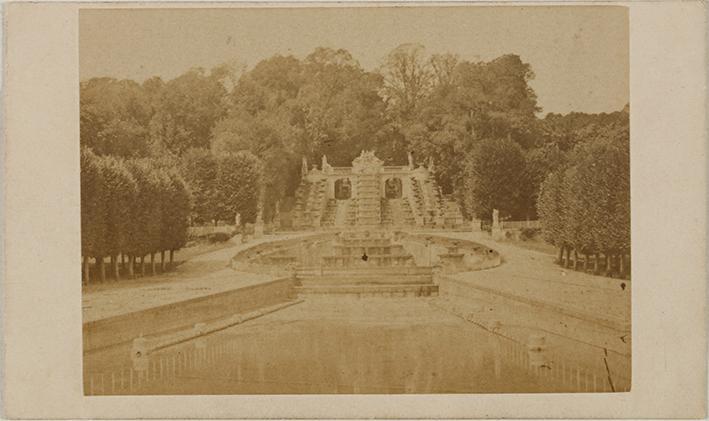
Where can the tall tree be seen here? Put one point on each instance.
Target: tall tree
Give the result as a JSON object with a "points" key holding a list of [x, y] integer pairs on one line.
{"points": [[94, 204], [239, 187], [199, 169], [121, 191], [551, 210], [186, 110], [114, 116], [495, 178], [407, 79]]}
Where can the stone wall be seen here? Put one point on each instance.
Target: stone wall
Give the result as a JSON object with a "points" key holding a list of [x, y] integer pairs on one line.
{"points": [[164, 319]]}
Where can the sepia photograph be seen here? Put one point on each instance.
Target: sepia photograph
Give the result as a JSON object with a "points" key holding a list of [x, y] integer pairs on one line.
{"points": [[355, 200]]}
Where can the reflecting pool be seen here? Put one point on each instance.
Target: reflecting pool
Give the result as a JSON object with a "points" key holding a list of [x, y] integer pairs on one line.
{"points": [[339, 345]]}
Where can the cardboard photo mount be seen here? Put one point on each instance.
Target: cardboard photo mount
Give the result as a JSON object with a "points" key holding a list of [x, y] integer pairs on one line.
{"points": [[41, 291]]}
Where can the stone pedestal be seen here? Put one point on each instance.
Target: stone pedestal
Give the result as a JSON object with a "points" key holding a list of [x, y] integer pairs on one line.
{"points": [[476, 225], [258, 229], [498, 233]]}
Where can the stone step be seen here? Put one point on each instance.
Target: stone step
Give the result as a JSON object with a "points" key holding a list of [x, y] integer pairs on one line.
{"points": [[365, 280], [373, 290], [363, 271]]}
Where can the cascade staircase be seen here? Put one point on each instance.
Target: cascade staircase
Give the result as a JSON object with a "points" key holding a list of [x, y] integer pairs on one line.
{"points": [[397, 212], [301, 199], [314, 205], [328, 216], [342, 212], [452, 215], [367, 264], [407, 214], [368, 203], [351, 213], [387, 218], [419, 205]]}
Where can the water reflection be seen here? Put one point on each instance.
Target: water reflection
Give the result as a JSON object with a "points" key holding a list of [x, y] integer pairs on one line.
{"points": [[310, 351]]}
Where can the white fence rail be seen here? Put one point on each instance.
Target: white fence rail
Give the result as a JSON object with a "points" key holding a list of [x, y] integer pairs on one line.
{"points": [[209, 229], [511, 225]]}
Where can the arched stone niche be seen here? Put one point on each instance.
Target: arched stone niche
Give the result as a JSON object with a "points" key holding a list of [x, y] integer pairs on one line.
{"points": [[343, 189], [393, 188]]}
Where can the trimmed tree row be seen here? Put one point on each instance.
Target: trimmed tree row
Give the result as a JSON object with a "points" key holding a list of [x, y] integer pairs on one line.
{"points": [[223, 185], [584, 207], [130, 209]]}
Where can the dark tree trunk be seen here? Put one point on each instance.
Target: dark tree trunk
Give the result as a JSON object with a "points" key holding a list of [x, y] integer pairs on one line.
{"points": [[172, 262], [114, 266], [608, 264], [124, 263], [567, 262], [101, 269], [152, 263], [131, 266], [561, 255], [162, 261], [576, 260], [628, 266], [85, 269], [585, 262]]}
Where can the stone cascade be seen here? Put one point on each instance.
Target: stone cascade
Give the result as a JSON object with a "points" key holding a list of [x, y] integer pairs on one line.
{"points": [[351, 215], [452, 215], [368, 203], [310, 204], [386, 213], [342, 212], [433, 201], [330, 213], [366, 263], [397, 212], [407, 213], [418, 205], [301, 199], [366, 251], [371, 194]]}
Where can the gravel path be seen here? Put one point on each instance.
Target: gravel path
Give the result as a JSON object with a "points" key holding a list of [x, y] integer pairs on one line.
{"points": [[205, 274], [533, 275]]}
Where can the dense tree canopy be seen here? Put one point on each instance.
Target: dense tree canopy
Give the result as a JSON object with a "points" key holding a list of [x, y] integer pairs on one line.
{"points": [[130, 208], [493, 175], [585, 205], [237, 134]]}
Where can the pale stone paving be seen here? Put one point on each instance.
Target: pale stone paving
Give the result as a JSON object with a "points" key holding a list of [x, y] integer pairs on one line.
{"points": [[534, 275], [191, 281]]}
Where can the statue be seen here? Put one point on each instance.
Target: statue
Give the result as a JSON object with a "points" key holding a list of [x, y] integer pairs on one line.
{"points": [[304, 167], [431, 168], [411, 160], [326, 168], [497, 232], [495, 218], [258, 226], [366, 162], [277, 215], [259, 215]]}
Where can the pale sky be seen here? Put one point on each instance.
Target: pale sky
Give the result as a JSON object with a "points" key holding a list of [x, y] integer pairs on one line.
{"points": [[579, 54]]}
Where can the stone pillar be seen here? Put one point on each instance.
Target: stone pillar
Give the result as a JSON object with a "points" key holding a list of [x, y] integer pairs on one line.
{"points": [[304, 168], [497, 231], [258, 226]]}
